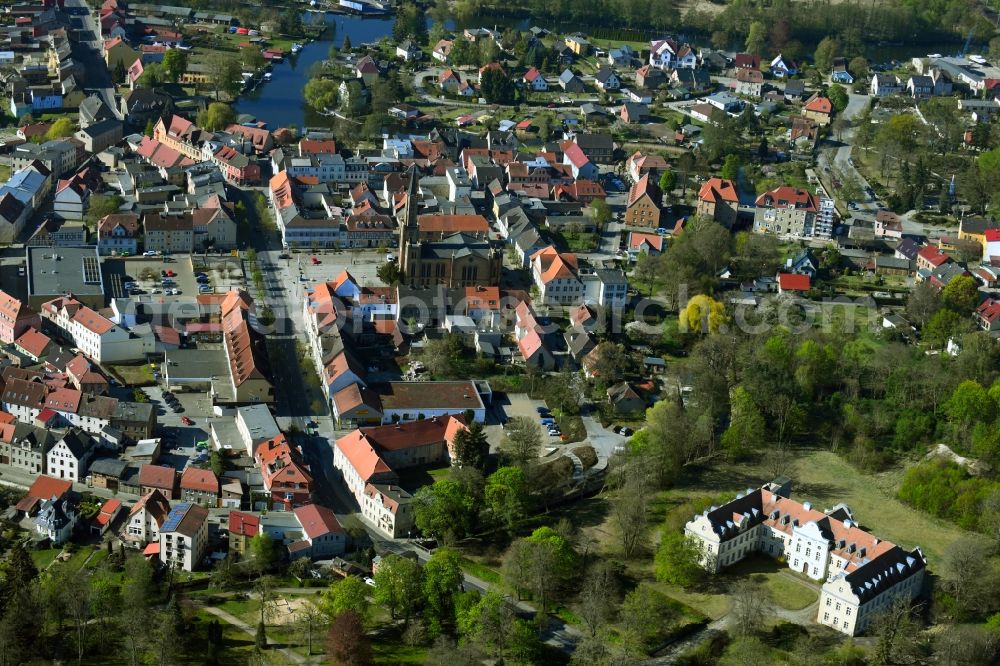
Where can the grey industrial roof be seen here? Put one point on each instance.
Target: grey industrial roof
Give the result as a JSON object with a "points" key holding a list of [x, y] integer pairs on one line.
{"points": [[54, 271]]}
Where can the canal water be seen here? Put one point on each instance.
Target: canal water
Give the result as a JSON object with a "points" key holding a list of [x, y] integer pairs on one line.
{"points": [[279, 102]]}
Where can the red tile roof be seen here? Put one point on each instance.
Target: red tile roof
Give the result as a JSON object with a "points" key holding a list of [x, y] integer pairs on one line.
{"points": [[47, 487], [718, 189], [155, 476], [788, 197], [933, 256], [245, 524], [317, 520], [819, 104], [34, 342], [793, 282], [201, 480], [989, 310]]}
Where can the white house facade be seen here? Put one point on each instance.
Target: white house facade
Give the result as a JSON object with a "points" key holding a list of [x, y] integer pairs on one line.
{"points": [[860, 573]]}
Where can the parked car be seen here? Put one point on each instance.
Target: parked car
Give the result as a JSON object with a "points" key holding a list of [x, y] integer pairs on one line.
{"points": [[149, 253], [315, 261], [186, 420], [548, 421], [626, 432], [542, 410]]}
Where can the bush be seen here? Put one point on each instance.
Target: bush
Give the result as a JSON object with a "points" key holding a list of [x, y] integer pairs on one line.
{"points": [[946, 490]]}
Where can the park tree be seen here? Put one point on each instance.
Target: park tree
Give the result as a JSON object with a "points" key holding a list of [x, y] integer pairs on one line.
{"points": [[646, 270], [644, 613], [731, 168], [226, 76], [944, 325], [969, 404], [703, 314], [216, 117], [542, 563], [522, 441], [969, 577], [746, 430], [827, 49], [837, 95], [596, 602], [349, 595], [610, 362], [152, 75], [750, 607], [506, 496], [961, 295], [263, 552], [444, 510], [60, 129], [398, 585], [632, 483], [439, 355], [471, 446], [496, 87], [346, 643], [321, 93], [668, 181], [678, 560], [756, 38], [601, 212], [922, 303], [175, 64], [488, 622], [389, 273], [858, 67], [443, 580], [102, 205]]}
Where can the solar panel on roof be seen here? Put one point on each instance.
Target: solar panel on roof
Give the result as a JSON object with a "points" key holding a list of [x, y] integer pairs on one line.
{"points": [[91, 270], [175, 517]]}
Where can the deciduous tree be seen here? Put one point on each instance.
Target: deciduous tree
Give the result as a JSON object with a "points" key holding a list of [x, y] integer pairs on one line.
{"points": [[398, 584], [506, 495], [348, 596], [522, 441], [677, 560], [346, 642]]}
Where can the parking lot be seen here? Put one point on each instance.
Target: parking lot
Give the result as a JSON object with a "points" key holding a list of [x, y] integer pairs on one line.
{"points": [[147, 273]]}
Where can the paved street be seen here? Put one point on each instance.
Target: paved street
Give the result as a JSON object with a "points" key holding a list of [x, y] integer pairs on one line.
{"points": [[96, 76]]}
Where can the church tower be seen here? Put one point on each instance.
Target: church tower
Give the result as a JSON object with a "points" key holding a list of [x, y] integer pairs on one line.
{"points": [[409, 233]]}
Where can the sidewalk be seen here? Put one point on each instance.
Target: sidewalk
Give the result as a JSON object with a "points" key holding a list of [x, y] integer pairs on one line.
{"points": [[247, 629]]}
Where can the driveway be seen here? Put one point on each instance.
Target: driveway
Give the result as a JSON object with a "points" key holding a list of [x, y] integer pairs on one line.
{"points": [[603, 440]]}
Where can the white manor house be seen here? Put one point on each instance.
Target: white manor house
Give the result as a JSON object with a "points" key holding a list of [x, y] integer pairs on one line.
{"points": [[861, 573]]}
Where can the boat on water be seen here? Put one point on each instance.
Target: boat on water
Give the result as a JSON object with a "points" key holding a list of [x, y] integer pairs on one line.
{"points": [[296, 47], [267, 76]]}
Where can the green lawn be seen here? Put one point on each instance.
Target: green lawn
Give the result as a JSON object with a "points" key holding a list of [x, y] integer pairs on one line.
{"points": [[481, 571], [237, 646], [96, 560], [43, 558], [786, 592], [135, 375], [415, 478], [4, 172], [826, 479], [395, 653]]}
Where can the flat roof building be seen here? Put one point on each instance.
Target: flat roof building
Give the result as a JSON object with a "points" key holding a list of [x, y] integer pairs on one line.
{"points": [[57, 271]]}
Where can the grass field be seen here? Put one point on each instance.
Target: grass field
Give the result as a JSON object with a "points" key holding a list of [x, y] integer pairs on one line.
{"points": [[481, 571], [43, 558], [393, 653], [135, 375], [826, 479], [4, 172]]}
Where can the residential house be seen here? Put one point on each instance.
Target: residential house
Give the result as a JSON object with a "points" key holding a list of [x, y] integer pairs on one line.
{"points": [[118, 233], [570, 82], [639, 243], [634, 113], [860, 574], [973, 228], [579, 343], [145, 519], [24, 446], [200, 486], [184, 537], [786, 211], [818, 109], [168, 234], [581, 166], [535, 80], [625, 399], [15, 318], [449, 81], [750, 82], [324, 538], [34, 344], [368, 459], [155, 477], [242, 528], [100, 135], [793, 283], [840, 73], [408, 51], [108, 473], [650, 77], [70, 456], [987, 315], [284, 473], [638, 165], [781, 67], [100, 339], [719, 200], [607, 80], [642, 209], [106, 517], [557, 277], [578, 44], [72, 197], [930, 258], [55, 520], [442, 50], [885, 84], [920, 87]]}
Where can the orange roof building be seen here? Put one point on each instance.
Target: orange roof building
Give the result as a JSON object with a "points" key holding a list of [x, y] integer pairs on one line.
{"points": [[368, 457], [245, 352], [859, 572], [285, 474], [719, 200]]}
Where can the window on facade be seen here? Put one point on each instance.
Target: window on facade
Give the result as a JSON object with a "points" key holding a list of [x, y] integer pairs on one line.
{"points": [[826, 617], [848, 611], [838, 605]]}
